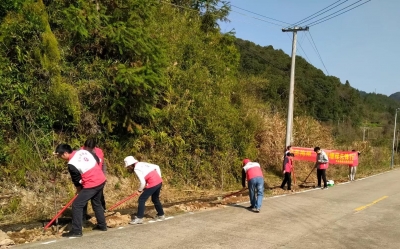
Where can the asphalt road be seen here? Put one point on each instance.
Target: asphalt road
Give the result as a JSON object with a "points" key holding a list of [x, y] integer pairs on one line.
{"points": [[360, 214]]}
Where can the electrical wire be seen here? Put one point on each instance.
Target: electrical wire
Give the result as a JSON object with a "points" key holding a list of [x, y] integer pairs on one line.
{"points": [[256, 18], [314, 23], [301, 47], [259, 14], [309, 17], [319, 55]]}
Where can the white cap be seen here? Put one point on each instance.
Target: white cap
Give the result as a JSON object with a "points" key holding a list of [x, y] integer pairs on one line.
{"points": [[130, 160]]}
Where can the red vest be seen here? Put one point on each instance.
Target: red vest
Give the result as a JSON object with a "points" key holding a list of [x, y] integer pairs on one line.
{"points": [[150, 174], [289, 166], [86, 164], [252, 170], [323, 166], [99, 153]]}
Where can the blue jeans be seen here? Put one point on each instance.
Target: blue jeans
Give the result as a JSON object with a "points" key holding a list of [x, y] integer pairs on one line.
{"points": [[256, 191]]}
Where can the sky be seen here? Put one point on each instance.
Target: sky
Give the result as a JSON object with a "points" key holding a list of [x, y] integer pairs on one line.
{"points": [[361, 45]]}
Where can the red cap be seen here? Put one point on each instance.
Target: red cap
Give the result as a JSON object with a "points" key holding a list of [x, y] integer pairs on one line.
{"points": [[245, 161]]}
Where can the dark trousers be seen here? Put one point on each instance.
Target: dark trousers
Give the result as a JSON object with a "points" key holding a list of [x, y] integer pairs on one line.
{"points": [[154, 192], [103, 204], [321, 173], [86, 194], [288, 180]]}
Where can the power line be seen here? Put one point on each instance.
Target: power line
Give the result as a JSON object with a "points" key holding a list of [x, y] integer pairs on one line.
{"points": [[321, 20], [309, 17], [318, 52], [301, 47], [304, 51], [256, 18], [311, 44], [259, 14]]}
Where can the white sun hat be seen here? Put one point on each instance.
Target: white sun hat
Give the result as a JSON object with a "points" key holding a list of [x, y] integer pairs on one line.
{"points": [[130, 160]]}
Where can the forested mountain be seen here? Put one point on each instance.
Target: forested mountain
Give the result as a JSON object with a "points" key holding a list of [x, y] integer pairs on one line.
{"points": [[323, 97], [395, 96]]}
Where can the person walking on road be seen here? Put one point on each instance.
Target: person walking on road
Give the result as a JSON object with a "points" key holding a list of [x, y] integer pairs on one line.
{"points": [[150, 185], [255, 181], [89, 181], [287, 171], [321, 164], [353, 167]]}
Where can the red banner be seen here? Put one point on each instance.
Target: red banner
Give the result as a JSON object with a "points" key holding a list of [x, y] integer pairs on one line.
{"points": [[334, 156]]}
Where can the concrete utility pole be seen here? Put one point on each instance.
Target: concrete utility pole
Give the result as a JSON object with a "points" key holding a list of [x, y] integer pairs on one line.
{"points": [[364, 128], [394, 138], [397, 142], [289, 122]]}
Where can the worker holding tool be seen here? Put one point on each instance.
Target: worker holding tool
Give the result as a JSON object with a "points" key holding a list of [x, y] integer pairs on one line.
{"points": [[287, 170], [321, 164], [255, 181], [150, 185], [89, 181], [90, 145]]}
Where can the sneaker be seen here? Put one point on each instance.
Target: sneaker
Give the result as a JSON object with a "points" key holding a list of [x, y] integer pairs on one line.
{"points": [[256, 210], [99, 228], [136, 221], [324, 188], [159, 217], [250, 207], [317, 187], [72, 234]]}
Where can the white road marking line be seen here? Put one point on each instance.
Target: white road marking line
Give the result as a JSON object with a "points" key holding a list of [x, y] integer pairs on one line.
{"points": [[167, 218], [48, 242]]}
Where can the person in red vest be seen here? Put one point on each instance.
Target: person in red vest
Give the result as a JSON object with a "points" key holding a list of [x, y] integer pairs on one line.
{"points": [[287, 170], [353, 167], [90, 145], [255, 181], [89, 181], [150, 185], [321, 164], [288, 149]]}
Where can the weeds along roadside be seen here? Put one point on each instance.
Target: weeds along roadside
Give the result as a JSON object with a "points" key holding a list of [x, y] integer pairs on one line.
{"points": [[32, 179]]}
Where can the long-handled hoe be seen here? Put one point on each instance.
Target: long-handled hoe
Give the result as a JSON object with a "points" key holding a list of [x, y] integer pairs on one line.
{"points": [[220, 198], [124, 200], [61, 211]]}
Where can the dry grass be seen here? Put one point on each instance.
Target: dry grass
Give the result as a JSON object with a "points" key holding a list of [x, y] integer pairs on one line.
{"points": [[271, 140]]}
